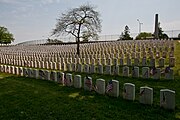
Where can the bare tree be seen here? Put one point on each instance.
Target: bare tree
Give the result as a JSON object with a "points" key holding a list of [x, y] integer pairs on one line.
{"points": [[79, 22]]}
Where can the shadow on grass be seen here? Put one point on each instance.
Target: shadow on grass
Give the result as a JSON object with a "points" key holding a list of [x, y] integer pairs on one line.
{"points": [[28, 98]]}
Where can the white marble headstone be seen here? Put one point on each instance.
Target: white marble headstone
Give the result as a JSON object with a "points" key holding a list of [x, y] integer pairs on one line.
{"points": [[129, 91], [100, 86], [146, 95], [77, 81], [167, 99]]}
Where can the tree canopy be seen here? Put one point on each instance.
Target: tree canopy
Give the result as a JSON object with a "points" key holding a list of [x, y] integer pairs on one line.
{"points": [[126, 34], [5, 36], [161, 33], [144, 35], [82, 22]]}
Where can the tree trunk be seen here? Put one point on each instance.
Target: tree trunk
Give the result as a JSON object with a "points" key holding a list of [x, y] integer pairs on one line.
{"points": [[78, 40], [78, 50]]}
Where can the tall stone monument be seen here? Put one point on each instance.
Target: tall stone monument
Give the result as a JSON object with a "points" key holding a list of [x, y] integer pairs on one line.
{"points": [[156, 31]]}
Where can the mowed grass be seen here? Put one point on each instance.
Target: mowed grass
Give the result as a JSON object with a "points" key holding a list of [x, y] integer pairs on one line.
{"points": [[24, 98]]}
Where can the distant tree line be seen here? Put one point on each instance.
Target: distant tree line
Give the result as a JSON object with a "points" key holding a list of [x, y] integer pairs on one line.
{"points": [[125, 35]]}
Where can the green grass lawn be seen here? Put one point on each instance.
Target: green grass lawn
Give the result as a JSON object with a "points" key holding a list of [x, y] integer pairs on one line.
{"points": [[27, 98]]}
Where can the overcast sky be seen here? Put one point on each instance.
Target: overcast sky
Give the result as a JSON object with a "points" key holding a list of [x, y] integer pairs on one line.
{"points": [[35, 19]]}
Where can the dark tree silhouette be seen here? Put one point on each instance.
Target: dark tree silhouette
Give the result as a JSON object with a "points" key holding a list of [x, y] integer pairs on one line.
{"points": [[81, 22], [126, 34]]}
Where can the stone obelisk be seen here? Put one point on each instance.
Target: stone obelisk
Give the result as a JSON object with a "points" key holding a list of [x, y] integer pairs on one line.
{"points": [[156, 31]]}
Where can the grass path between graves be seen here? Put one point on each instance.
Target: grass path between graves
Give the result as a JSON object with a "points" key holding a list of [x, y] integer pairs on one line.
{"points": [[27, 98]]}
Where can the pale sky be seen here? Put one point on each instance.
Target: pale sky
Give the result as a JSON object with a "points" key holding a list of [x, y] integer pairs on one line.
{"points": [[35, 19]]}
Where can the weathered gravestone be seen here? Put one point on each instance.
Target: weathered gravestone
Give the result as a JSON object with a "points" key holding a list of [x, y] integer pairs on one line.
{"points": [[144, 62], [92, 68], [47, 65], [109, 61], [126, 71], [129, 91], [77, 81], [17, 70], [167, 99], [86, 68], [79, 68], [20, 71], [135, 71], [145, 72], [161, 62], [100, 69], [108, 69], [164, 54], [129, 63], [104, 61], [171, 54], [171, 61], [138, 55], [87, 83], [59, 66], [112, 88], [169, 73], [53, 76], [115, 62], [152, 62], [32, 73], [25, 72], [2, 68], [69, 67], [47, 75], [73, 65], [100, 86], [121, 62], [6, 69], [136, 62], [146, 95], [42, 74], [63, 66], [60, 77], [156, 73], [68, 81], [116, 70]]}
